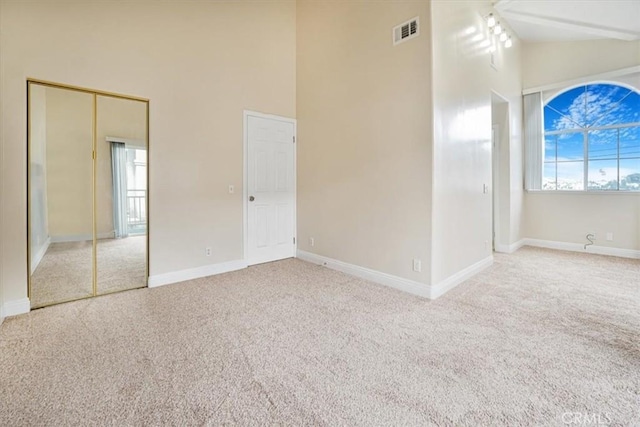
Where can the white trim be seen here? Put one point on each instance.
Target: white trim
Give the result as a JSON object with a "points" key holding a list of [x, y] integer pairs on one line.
{"points": [[195, 273], [509, 249], [501, 248], [495, 183], [245, 177], [496, 157], [406, 285], [452, 281], [566, 24], [40, 254], [127, 141], [585, 79], [585, 193], [502, 4], [13, 308], [578, 247]]}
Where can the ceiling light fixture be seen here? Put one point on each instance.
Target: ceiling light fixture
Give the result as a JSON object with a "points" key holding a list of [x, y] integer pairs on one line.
{"points": [[491, 21], [508, 43], [497, 31]]}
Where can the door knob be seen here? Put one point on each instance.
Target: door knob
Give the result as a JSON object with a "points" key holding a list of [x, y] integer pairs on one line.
{"points": [[251, 198]]}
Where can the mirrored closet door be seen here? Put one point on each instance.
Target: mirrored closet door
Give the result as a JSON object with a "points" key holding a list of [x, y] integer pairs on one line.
{"points": [[88, 198]]}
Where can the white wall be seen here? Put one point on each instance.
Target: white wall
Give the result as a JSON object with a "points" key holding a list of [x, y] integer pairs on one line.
{"points": [[2, 198], [364, 129], [553, 62], [462, 83], [568, 217], [199, 63]]}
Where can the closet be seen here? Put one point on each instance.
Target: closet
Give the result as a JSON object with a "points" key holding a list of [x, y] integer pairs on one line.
{"points": [[88, 165]]}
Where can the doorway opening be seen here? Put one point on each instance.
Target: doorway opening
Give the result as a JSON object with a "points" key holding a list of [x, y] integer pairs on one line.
{"points": [[499, 178]]}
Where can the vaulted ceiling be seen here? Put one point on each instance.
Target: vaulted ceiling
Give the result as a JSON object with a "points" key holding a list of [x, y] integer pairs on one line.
{"points": [[561, 20]]}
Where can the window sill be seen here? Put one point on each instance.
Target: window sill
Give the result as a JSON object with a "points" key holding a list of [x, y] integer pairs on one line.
{"points": [[585, 193]]}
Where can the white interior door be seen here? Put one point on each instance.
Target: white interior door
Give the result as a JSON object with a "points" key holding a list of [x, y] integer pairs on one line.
{"points": [[270, 189]]}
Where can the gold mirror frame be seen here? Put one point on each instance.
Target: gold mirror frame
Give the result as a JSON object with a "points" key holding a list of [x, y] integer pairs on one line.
{"points": [[95, 93]]}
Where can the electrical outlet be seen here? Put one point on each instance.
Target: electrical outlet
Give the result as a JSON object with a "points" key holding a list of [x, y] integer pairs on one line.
{"points": [[207, 251], [485, 188], [609, 236], [231, 189], [486, 244], [312, 241], [417, 265]]}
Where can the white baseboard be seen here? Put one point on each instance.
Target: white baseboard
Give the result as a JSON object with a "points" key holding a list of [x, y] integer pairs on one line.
{"points": [[406, 285], [509, 249], [452, 281], [195, 273], [577, 247], [517, 245], [40, 254], [502, 248], [13, 308]]}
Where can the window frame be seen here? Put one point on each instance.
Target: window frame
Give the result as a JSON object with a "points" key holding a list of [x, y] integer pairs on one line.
{"points": [[585, 130]]}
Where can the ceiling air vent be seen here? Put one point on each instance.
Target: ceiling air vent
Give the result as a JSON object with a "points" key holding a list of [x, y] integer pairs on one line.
{"points": [[406, 31]]}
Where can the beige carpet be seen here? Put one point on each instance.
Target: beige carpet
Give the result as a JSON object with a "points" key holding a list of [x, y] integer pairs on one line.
{"points": [[539, 335], [65, 272]]}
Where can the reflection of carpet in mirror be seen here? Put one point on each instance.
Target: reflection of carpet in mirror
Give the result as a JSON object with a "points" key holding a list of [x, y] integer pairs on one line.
{"points": [[65, 272], [122, 264]]}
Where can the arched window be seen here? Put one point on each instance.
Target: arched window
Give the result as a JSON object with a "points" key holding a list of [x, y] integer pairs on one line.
{"points": [[592, 139]]}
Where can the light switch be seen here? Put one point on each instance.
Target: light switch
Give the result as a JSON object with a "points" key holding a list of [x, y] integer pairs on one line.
{"points": [[231, 189]]}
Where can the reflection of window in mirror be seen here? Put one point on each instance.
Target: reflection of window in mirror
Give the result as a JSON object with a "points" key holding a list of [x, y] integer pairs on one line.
{"points": [[136, 190], [128, 187]]}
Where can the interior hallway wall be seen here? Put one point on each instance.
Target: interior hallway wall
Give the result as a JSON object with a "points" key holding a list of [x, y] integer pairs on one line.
{"points": [[463, 81]]}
